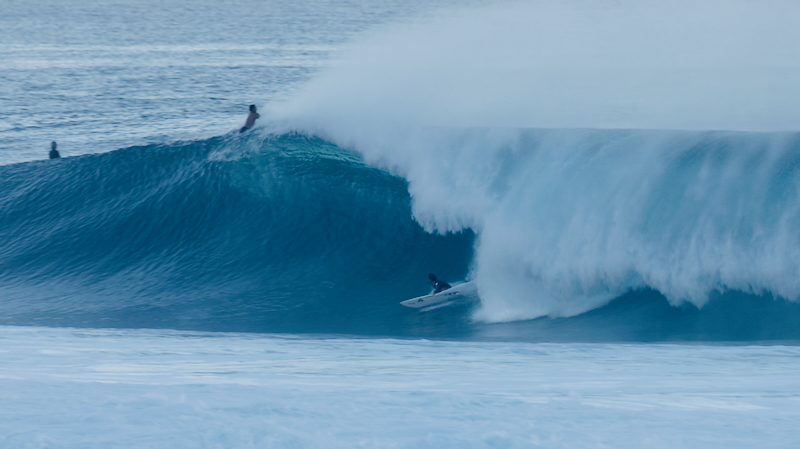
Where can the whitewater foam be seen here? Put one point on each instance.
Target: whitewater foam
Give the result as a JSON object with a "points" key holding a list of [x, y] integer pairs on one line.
{"points": [[167, 389], [693, 65], [569, 218]]}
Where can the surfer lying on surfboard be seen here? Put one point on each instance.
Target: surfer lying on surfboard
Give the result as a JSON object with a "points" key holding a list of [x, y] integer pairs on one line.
{"points": [[443, 295], [438, 286]]}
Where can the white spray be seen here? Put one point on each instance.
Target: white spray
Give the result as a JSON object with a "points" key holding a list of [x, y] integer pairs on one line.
{"points": [[567, 219]]}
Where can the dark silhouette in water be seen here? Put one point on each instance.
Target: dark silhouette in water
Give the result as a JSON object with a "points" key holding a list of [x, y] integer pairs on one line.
{"points": [[53, 152], [251, 119], [438, 286]]}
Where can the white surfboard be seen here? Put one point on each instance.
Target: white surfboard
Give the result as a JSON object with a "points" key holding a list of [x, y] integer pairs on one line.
{"points": [[457, 292]]}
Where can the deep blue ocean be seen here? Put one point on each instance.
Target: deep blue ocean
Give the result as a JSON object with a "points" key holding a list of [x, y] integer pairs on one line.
{"points": [[620, 180]]}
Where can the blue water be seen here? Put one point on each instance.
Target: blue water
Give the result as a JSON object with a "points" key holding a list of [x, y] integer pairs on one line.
{"points": [[296, 236], [627, 205], [335, 208], [290, 233]]}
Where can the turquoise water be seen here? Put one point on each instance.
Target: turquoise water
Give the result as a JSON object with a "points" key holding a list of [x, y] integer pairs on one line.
{"points": [[626, 203]]}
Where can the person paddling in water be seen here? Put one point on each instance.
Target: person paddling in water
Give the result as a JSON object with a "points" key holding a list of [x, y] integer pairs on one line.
{"points": [[251, 119], [53, 152], [438, 286]]}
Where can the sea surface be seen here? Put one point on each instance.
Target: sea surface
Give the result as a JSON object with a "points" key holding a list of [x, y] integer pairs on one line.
{"points": [[620, 180]]}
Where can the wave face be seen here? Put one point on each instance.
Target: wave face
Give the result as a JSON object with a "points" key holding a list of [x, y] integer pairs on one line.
{"points": [[283, 234], [601, 235]]}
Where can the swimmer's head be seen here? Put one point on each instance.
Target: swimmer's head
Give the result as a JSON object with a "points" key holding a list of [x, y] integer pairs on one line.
{"points": [[252, 108], [53, 145]]}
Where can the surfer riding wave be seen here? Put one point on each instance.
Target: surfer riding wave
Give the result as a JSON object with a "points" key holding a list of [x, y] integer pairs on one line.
{"points": [[438, 285]]}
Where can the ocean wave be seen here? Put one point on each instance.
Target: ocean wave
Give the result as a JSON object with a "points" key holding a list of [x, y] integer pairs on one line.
{"points": [[570, 234], [567, 220], [280, 233]]}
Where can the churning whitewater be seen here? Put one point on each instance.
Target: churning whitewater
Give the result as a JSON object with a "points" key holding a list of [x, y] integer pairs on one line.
{"points": [[686, 184]]}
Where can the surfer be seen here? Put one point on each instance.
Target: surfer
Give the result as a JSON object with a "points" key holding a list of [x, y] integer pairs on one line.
{"points": [[251, 119], [438, 286], [53, 152]]}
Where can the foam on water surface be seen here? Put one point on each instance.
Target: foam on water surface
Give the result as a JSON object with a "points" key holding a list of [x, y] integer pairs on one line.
{"points": [[72, 388]]}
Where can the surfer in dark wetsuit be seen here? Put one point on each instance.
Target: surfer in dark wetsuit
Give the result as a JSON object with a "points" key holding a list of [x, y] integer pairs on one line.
{"points": [[438, 286], [251, 119], [53, 152]]}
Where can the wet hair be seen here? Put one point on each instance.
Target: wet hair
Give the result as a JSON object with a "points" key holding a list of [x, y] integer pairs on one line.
{"points": [[53, 144], [432, 277], [252, 107]]}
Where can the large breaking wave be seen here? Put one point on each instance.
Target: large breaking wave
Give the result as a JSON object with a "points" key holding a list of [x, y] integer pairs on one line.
{"points": [[569, 219], [529, 147], [291, 233], [548, 129]]}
